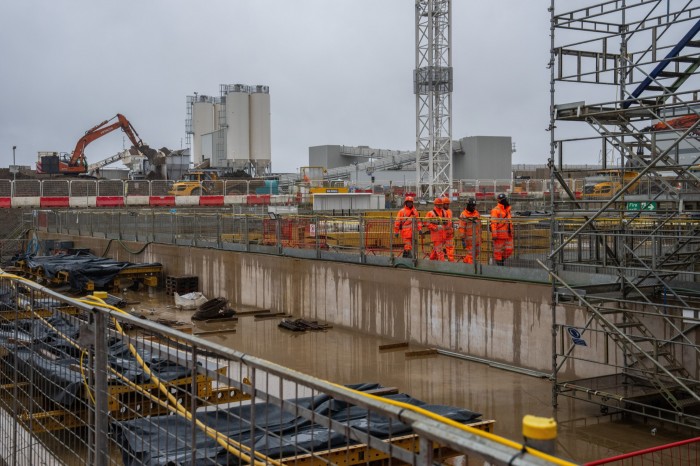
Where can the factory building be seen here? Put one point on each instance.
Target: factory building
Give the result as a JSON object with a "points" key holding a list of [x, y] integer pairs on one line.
{"points": [[231, 131], [473, 157]]}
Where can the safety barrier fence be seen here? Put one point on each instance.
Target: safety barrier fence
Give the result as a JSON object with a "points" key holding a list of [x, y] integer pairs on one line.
{"points": [[683, 453], [631, 246], [360, 238], [83, 383], [366, 238], [119, 193]]}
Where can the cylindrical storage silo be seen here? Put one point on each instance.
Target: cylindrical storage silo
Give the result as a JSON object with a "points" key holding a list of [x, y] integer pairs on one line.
{"points": [[238, 125], [204, 120], [260, 138]]}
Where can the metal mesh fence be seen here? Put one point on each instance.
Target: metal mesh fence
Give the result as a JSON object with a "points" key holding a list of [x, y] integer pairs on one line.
{"points": [[5, 188], [83, 383], [83, 188], [356, 238], [110, 188], [55, 188], [27, 188]]}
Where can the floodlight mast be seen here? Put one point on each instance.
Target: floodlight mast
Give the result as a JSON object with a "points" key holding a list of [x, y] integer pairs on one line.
{"points": [[432, 85]]}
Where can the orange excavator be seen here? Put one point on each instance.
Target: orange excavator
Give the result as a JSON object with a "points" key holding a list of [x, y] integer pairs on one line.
{"points": [[76, 164]]}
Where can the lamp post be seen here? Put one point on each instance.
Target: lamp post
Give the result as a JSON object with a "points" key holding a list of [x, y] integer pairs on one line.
{"points": [[14, 163]]}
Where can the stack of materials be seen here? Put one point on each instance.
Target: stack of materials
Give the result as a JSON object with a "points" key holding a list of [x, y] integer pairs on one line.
{"points": [[181, 285]]}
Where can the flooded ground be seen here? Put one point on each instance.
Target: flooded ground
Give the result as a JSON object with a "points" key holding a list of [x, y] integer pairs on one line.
{"points": [[343, 356]]}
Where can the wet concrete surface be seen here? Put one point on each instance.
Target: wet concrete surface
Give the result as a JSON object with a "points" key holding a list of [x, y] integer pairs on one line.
{"points": [[343, 356]]}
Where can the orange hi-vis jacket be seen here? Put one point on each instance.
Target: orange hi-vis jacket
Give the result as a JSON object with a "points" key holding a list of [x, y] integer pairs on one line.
{"points": [[434, 220], [501, 227], [469, 224], [449, 227], [404, 222]]}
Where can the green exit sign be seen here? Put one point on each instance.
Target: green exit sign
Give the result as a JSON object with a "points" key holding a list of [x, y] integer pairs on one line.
{"points": [[641, 205]]}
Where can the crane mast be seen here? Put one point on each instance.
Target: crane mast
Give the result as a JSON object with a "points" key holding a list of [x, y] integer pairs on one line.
{"points": [[432, 85]]}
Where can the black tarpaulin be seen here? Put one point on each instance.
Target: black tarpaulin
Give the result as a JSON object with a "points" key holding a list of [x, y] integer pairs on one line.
{"points": [[174, 441], [48, 360], [81, 268]]}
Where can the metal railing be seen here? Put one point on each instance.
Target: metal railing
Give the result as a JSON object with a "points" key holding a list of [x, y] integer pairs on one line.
{"points": [[485, 189], [683, 453], [359, 238], [87, 384]]}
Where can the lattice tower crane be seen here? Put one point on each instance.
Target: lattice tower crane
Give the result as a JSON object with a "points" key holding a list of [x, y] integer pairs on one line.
{"points": [[432, 85]]}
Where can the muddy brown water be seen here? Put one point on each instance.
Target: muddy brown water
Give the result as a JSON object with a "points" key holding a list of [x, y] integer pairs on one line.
{"points": [[344, 356]]}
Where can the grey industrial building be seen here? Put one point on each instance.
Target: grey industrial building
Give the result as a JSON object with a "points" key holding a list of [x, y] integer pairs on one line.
{"points": [[473, 157]]}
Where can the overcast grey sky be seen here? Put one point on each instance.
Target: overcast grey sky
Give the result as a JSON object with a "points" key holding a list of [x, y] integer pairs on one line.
{"points": [[339, 71]]}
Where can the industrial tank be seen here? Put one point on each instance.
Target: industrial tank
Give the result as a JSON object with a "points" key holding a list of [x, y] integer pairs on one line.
{"points": [[238, 126], [260, 143], [204, 120]]}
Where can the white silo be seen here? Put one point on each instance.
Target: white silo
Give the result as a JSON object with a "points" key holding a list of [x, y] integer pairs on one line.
{"points": [[204, 120], [237, 126], [260, 139]]}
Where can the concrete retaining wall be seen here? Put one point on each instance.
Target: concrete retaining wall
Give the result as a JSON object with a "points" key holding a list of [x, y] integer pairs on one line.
{"points": [[503, 321]]}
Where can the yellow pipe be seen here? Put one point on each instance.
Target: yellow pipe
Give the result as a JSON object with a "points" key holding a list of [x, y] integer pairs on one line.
{"points": [[221, 439], [487, 435]]}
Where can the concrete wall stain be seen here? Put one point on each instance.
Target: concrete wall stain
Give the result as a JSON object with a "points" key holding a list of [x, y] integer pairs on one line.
{"points": [[497, 320]]}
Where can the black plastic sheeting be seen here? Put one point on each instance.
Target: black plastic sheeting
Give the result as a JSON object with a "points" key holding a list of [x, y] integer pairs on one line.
{"points": [[168, 440], [81, 267], [50, 362]]}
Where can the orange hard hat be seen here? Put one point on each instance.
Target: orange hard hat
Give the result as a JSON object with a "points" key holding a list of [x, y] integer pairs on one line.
{"points": [[409, 199], [437, 201], [445, 200]]}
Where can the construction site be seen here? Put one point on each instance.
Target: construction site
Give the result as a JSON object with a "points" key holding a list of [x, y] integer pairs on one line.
{"points": [[201, 309]]}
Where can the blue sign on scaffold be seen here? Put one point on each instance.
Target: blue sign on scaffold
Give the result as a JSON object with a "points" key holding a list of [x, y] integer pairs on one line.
{"points": [[576, 336]]}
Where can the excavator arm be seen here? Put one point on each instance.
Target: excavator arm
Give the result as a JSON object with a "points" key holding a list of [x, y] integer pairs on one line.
{"points": [[78, 162]]}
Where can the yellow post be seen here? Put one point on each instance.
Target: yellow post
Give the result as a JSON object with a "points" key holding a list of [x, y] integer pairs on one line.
{"points": [[540, 433]]}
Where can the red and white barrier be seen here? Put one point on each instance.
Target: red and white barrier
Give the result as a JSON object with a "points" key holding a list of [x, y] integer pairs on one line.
{"points": [[161, 201], [54, 201]]}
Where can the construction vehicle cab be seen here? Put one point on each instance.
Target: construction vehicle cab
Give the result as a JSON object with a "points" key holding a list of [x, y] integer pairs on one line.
{"points": [[198, 183], [606, 183]]}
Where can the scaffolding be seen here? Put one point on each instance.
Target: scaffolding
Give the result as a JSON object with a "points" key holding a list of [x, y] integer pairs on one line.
{"points": [[624, 85]]}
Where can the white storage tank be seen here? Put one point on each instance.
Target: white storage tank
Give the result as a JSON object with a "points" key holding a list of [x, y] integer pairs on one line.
{"points": [[205, 119], [238, 124], [260, 139]]}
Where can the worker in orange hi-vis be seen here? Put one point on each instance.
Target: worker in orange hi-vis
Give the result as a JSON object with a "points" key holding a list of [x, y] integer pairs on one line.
{"points": [[407, 221], [470, 231], [501, 230], [449, 245], [434, 222]]}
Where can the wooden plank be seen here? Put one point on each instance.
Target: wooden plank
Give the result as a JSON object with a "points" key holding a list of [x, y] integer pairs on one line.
{"points": [[383, 391], [392, 346], [422, 353], [275, 315], [252, 312], [213, 332]]}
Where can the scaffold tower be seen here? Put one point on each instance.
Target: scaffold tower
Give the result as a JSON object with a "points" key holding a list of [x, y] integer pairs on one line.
{"points": [[432, 85], [626, 246]]}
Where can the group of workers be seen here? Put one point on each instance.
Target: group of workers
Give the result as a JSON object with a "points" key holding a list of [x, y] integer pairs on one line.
{"points": [[440, 223]]}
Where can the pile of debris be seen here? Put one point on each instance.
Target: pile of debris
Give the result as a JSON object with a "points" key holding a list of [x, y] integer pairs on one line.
{"points": [[216, 308], [302, 325]]}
